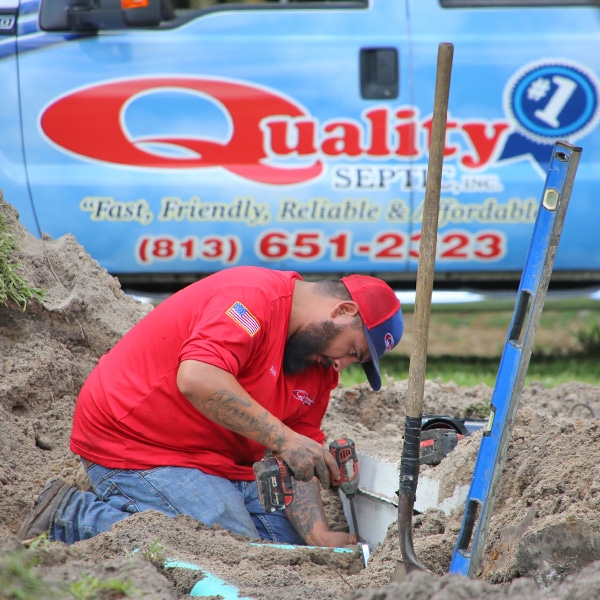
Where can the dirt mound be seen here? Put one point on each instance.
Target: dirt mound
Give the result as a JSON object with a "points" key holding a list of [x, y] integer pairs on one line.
{"points": [[543, 539]]}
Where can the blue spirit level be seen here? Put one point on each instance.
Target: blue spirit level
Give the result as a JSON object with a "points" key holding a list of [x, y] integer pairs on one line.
{"points": [[515, 358]]}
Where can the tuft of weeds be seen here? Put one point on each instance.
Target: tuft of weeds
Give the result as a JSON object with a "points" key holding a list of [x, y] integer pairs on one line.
{"points": [[18, 579], [41, 542], [478, 410], [87, 587], [154, 553], [12, 286]]}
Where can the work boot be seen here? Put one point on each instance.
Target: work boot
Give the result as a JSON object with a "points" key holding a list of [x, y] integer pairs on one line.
{"points": [[44, 508]]}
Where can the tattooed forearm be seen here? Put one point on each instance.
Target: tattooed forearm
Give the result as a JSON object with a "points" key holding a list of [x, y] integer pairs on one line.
{"points": [[235, 413], [306, 510]]}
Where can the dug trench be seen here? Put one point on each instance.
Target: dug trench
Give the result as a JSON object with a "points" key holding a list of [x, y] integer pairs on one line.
{"points": [[543, 539]]}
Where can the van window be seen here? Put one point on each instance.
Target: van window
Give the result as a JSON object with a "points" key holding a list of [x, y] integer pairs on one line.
{"points": [[515, 3], [182, 8], [199, 4]]}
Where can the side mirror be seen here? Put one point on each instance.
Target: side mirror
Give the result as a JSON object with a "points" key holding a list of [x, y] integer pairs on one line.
{"points": [[96, 15]]}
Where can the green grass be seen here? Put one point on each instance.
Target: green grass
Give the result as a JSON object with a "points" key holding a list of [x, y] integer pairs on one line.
{"points": [[12, 286], [471, 371], [550, 365]]}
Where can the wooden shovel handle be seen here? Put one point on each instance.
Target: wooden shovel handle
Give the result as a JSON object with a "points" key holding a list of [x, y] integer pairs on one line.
{"points": [[429, 230]]}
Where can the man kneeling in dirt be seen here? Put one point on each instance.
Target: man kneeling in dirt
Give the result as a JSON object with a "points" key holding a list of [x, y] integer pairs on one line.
{"points": [[173, 417]]}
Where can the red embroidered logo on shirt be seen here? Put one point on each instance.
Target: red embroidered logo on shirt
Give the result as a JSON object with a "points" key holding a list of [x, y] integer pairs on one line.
{"points": [[243, 317], [303, 397]]}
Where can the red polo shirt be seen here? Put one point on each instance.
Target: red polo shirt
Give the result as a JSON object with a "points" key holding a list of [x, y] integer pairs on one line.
{"points": [[130, 413]]}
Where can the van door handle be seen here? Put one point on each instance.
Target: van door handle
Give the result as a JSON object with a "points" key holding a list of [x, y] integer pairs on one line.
{"points": [[378, 73]]}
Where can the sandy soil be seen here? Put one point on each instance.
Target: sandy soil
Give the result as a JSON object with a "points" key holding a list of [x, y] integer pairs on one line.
{"points": [[543, 539]]}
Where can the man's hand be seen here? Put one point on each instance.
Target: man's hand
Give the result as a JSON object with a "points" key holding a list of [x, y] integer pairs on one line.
{"points": [[336, 539], [308, 517], [307, 458]]}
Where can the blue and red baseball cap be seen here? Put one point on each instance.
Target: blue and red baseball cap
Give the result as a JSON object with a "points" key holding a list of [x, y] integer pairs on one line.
{"points": [[381, 314]]}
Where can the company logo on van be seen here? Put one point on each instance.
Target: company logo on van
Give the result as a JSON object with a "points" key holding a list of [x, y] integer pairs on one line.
{"points": [[269, 139], [266, 137]]}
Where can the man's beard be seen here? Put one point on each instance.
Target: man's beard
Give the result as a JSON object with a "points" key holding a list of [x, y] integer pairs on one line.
{"points": [[307, 342]]}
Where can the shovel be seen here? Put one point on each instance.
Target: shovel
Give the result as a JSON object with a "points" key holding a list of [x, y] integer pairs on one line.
{"points": [[409, 466]]}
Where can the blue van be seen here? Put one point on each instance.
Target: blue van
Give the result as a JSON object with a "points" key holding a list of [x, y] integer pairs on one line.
{"points": [[176, 138]]}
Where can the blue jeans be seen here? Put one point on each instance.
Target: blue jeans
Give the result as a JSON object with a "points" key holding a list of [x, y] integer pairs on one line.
{"points": [[173, 491]]}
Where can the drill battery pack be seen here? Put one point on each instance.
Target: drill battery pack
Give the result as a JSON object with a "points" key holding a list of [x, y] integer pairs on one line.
{"points": [[274, 483]]}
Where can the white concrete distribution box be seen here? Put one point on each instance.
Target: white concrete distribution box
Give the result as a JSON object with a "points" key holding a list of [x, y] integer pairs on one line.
{"points": [[376, 501]]}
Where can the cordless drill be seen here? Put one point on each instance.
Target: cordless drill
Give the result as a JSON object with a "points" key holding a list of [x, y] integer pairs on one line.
{"points": [[344, 452], [274, 479]]}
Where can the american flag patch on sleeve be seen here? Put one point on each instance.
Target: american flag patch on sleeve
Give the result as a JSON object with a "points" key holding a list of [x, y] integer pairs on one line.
{"points": [[243, 317]]}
